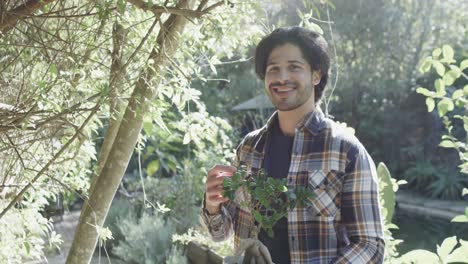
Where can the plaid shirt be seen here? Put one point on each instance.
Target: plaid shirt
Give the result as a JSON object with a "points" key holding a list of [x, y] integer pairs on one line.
{"points": [[343, 223]]}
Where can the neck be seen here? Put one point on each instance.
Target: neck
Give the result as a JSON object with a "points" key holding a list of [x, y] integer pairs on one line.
{"points": [[288, 120]]}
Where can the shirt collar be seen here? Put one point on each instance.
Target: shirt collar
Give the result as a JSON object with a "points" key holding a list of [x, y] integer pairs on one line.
{"points": [[313, 121]]}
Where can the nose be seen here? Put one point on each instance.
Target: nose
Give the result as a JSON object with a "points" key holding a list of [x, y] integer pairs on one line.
{"points": [[283, 75]]}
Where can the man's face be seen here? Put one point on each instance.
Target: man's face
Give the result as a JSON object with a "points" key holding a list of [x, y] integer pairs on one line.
{"points": [[289, 81]]}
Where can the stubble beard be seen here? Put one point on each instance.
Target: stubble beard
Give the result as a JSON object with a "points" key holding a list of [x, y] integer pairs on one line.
{"points": [[301, 96]]}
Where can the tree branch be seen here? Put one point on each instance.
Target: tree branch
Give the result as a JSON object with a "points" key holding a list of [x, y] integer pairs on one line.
{"points": [[11, 18], [46, 167], [163, 9], [208, 9]]}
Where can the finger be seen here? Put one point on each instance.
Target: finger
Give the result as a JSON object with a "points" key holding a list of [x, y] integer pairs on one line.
{"points": [[247, 257], [218, 189], [214, 181], [265, 253], [252, 261], [260, 260], [222, 170], [217, 199]]}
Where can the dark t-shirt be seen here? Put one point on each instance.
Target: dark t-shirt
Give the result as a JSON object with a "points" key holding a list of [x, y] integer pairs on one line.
{"points": [[276, 165]]}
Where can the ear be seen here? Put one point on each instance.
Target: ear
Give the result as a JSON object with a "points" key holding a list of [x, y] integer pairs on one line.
{"points": [[316, 77]]}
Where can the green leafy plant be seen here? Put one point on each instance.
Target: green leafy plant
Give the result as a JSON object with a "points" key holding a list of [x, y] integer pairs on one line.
{"points": [[442, 60], [446, 100], [447, 252], [270, 199]]}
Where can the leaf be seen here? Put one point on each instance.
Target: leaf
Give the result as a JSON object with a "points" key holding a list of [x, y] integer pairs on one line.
{"points": [[426, 65], [439, 67], [440, 87], [424, 91], [465, 192], [162, 208], [459, 254], [463, 65], [460, 219], [148, 128], [456, 71], [213, 68], [53, 69], [445, 105], [465, 90], [447, 144], [430, 104], [457, 94], [152, 167], [313, 26], [447, 246], [121, 6], [387, 193], [392, 226], [401, 182], [450, 77], [436, 53], [257, 216], [27, 247], [447, 52], [419, 256]]}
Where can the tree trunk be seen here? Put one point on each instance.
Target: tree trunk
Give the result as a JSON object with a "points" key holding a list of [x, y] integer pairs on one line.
{"points": [[95, 209]]}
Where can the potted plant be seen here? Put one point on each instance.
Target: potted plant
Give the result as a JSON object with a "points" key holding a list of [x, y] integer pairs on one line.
{"points": [[270, 200]]}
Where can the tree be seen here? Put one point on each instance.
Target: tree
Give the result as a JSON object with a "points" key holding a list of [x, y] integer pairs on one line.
{"points": [[82, 65]]}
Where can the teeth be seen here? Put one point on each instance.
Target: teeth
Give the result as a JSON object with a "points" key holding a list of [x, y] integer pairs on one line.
{"points": [[284, 90]]}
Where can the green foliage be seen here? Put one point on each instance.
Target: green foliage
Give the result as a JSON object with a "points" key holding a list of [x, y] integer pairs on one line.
{"points": [[119, 209], [435, 181], [448, 252], [388, 186], [270, 199], [202, 237], [147, 239], [448, 101], [24, 230]]}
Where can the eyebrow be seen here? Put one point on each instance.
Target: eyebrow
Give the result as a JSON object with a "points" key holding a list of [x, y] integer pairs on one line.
{"points": [[289, 61]]}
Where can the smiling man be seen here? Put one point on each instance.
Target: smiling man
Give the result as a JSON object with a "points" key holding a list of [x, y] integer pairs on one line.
{"points": [[342, 224]]}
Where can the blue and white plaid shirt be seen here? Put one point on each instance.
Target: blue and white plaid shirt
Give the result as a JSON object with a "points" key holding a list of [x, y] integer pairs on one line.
{"points": [[343, 223]]}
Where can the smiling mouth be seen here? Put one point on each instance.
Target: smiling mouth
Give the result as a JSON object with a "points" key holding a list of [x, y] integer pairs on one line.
{"points": [[283, 89]]}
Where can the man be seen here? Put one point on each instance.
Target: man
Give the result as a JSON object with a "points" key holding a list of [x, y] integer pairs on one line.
{"points": [[343, 223]]}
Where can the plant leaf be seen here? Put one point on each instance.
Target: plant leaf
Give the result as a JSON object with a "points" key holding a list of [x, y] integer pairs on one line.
{"points": [[426, 65], [419, 256], [430, 104], [460, 219], [463, 65], [439, 67], [447, 52], [459, 254], [457, 94], [447, 144], [447, 246], [450, 77], [436, 53]]}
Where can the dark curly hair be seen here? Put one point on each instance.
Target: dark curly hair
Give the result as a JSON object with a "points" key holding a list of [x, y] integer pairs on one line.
{"points": [[313, 46]]}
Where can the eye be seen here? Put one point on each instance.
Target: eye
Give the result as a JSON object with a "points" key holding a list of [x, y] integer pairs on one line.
{"points": [[272, 69], [295, 67]]}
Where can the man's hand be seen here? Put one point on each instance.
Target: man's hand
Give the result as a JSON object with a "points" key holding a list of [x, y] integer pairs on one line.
{"points": [[214, 187], [257, 254]]}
